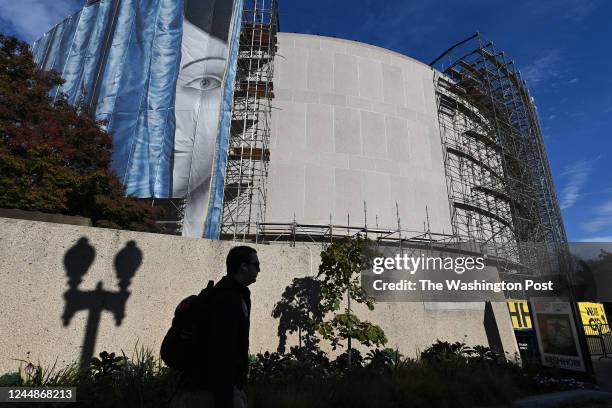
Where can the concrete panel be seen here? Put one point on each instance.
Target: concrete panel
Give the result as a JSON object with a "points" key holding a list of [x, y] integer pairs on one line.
{"points": [[318, 194], [287, 43], [435, 143], [387, 166], [335, 160], [300, 156], [413, 88], [346, 76], [397, 138], [285, 192], [320, 127], [402, 192], [291, 69], [377, 191], [370, 79], [320, 71], [335, 46], [359, 103], [373, 134], [348, 197], [406, 113], [392, 77], [305, 96], [380, 55], [332, 99], [385, 109], [283, 95], [420, 146], [362, 163], [347, 134], [358, 50], [291, 127], [307, 42]]}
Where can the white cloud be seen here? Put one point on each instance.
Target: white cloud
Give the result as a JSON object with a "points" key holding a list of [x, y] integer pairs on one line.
{"points": [[578, 174], [607, 238], [552, 68], [32, 18], [542, 69], [602, 218]]}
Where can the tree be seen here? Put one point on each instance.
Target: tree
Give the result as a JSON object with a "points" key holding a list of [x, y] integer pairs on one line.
{"points": [[341, 265], [55, 157]]}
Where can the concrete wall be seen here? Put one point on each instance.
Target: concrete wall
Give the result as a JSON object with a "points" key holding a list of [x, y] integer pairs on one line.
{"points": [[354, 123], [36, 257]]}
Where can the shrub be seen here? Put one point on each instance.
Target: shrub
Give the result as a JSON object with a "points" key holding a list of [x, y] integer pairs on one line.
{"points": [[448, 375]]}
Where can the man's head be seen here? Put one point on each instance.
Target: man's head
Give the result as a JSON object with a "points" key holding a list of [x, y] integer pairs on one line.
{"points": [[242, 264]]}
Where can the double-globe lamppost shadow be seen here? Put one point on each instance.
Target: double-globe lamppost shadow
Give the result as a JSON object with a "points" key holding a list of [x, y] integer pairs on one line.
{"points": [[77, 261]]}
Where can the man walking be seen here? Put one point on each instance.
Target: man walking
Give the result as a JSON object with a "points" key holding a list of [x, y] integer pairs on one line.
{"points": [[218, 376]]}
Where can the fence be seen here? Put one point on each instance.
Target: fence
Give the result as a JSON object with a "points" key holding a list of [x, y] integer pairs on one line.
{"points": [[599, 339]]}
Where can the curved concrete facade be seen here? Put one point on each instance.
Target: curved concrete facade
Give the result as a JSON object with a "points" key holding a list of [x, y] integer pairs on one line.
{"points": [[354, 123]]}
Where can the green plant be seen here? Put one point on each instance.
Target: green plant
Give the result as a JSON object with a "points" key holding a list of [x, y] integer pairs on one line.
{"points": [[11, 380], [445, 351], [38, 376], [341, 363], [305, 378], [107, 365], [55, 157], [339, 273], [384, 359]]}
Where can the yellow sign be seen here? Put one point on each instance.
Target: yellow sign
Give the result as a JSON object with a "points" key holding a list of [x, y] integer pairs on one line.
{"points": [[593, 318], [519, 314]]}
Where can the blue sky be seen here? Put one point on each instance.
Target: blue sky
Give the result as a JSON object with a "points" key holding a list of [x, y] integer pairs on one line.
{"points": [[562, 47]]}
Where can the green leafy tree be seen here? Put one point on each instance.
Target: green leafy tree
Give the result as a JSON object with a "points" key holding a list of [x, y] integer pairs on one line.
{"points": [[339, 273], [55, 157]]}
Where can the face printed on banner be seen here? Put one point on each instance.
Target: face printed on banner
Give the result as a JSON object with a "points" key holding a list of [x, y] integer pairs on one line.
{"points": [[198, 100]]}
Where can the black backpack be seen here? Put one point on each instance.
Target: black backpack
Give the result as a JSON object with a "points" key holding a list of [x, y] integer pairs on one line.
{"points": [[184, 341]]}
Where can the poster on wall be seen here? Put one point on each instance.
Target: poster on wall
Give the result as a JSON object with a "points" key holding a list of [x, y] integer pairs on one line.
{"points": [[519, 314], [557, 334], [202, 122], [161, 75], [594, 319]]}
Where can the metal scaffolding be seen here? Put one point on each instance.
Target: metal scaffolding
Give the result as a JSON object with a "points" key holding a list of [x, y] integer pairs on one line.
{"points": [[244, 202], [498, 178]]}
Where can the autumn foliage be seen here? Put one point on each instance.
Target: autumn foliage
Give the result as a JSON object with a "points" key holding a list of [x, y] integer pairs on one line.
{"points": [[54, 157]]}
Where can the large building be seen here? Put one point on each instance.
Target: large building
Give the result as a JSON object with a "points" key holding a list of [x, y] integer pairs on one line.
{"points": [[252, 134], [255, 134]]}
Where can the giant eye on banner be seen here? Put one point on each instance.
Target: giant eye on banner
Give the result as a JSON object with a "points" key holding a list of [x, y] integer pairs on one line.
{"points": [[161, 74]]}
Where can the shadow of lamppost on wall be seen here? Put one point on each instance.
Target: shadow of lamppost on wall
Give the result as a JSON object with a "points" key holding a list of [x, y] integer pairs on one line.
{"points": [[77, 261], [300, 304]]}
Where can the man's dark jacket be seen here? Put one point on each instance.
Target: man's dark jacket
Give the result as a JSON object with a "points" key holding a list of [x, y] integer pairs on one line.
{"points": [[224, 359]]}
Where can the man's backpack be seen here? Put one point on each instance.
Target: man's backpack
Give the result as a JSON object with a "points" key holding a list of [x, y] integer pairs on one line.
{"points": [[183, 341]]}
